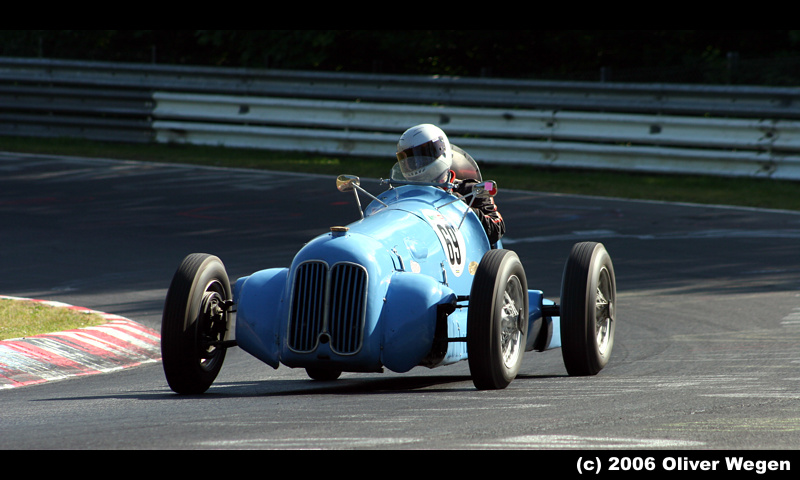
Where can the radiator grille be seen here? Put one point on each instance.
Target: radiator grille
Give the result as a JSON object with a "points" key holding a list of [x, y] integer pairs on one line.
{"points": [[331, 302], [348, 294], [308, 306]]}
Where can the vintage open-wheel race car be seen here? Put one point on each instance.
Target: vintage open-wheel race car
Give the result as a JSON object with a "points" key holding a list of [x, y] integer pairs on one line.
{"points": [[413, 282]]}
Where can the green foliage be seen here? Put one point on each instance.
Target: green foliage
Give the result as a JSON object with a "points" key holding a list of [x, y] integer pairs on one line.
{"points": [[707, 56]]}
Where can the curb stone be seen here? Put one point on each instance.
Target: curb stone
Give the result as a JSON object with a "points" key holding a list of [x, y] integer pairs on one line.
{"points": [[121, 343]]}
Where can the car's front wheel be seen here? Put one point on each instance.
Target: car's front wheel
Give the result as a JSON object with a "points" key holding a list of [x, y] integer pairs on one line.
{"points": [[497, 320], [194, 324]]}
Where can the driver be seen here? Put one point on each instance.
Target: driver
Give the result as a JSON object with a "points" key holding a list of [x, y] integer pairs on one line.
{"points": [[425, 155]]}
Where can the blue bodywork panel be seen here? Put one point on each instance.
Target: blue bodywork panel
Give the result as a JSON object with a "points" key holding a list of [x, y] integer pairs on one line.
{"points": [[384, 293]]}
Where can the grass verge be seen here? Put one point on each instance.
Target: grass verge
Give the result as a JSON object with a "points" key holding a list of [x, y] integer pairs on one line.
{"points": [[747, 192], [25, 318]]}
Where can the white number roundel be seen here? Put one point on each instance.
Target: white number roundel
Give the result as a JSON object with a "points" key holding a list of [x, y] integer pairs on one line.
{"points": [[451, 239]]}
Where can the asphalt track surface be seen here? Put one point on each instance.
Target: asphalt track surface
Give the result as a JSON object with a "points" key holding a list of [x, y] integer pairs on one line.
{"points": [[707, 353]]}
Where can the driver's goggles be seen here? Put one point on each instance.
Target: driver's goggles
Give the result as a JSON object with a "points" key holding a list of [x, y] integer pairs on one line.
{"points": [[432, 149]]}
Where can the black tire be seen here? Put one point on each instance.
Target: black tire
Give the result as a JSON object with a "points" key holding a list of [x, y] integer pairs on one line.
{"points": [[195, 315], [497, 320], [588, 309], [323, 374]]}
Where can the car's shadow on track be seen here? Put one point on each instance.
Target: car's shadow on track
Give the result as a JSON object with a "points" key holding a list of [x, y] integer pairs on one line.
{"points": [[343, 386], [382, 386]]}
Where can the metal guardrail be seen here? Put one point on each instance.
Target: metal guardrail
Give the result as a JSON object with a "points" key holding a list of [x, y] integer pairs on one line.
{"points": [[719, 130]]}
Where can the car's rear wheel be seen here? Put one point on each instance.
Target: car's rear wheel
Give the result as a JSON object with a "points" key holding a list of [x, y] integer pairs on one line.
{"points": [[194, 323], [497, 320], [588, 309]]}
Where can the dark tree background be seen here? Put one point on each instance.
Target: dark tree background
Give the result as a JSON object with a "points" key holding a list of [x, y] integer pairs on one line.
{"points": [[767, 57]]}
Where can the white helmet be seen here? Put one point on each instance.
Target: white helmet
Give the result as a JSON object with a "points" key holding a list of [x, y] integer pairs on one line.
{"points": [[424, 154]]}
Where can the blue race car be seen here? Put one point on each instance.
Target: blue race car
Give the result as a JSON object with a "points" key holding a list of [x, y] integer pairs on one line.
{"points": [[414, 282]]}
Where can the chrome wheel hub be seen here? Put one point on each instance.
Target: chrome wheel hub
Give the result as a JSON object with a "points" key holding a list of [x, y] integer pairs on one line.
{"points": [[510, 323], [604, 311]]}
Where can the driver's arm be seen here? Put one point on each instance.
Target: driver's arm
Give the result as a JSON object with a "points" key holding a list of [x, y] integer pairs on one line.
{"points": [[485, 209]]}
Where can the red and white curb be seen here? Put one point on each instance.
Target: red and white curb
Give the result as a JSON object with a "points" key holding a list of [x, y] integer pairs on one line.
{"points": [[120, 343]]}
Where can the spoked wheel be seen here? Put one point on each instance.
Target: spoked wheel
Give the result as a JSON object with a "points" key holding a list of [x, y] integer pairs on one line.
{"points": [[588, 309], [497, 320], [195, 323]]}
